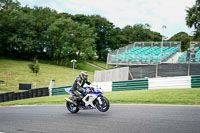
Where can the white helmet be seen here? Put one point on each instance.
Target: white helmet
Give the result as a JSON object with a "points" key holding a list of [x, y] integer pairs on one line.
{"points": [[84, 75]]}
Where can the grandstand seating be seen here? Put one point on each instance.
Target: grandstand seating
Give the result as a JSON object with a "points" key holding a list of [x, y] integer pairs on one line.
{"points": [[182, 58], [146, 54]]}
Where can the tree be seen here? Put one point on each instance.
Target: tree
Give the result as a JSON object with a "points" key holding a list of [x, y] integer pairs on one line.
{"points": [[83, 19], [22, 40], [42, 32], [104, 33], [43, 18], [35, 67], [103, 29], [184, 38], [193, 19], [8, 5], [68, 40], [140, 32], [6, 27], [127, 31], [23, 34], [116, 39]]}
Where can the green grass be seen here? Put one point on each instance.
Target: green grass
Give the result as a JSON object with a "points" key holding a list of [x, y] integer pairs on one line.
{"points": [[101, 64], [87, 67], [189, 96], [163, 96], [20, 73]]}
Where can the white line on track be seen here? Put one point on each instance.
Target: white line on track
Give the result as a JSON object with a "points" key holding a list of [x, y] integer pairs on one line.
{"points": [[24, 106]]}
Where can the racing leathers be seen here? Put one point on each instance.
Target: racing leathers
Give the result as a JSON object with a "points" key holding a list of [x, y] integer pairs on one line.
{"points": [[77, 87]]}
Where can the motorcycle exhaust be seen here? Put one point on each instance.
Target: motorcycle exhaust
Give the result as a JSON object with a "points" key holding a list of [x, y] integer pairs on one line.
{"points": [[67, 99]]}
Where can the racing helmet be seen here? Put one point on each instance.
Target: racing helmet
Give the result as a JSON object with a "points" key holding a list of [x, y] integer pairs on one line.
{"points": [[84, 75]]}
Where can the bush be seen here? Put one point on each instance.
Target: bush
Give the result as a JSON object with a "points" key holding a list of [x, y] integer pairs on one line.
{"points": [[35, 67]]}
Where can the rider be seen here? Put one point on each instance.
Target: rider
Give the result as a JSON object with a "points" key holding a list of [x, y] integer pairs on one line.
{"points": [[78, 84]]}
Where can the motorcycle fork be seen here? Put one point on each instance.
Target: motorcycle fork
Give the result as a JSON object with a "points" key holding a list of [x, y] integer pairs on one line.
{"points": [[99, 99]]}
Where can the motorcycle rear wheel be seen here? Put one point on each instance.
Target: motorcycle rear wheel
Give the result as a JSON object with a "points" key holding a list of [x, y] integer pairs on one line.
{"points": [[71, 107]]}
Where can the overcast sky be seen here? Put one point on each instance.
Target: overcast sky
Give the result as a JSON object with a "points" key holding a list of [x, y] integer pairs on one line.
{"points": [[127, 12]]}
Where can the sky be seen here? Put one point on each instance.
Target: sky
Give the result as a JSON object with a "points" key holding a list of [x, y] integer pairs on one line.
{"points": [[157, 13]]}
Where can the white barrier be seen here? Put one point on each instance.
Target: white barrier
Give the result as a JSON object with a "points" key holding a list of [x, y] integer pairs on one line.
{"points": [[117, 74], [170, 82], [105, 86]]}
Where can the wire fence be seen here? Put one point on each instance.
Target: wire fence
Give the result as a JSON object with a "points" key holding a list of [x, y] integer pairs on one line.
{"points": [[164, 70]]}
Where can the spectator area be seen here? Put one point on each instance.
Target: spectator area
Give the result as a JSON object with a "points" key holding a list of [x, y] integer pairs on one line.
{"points": [[182, 58], [146, 54]]}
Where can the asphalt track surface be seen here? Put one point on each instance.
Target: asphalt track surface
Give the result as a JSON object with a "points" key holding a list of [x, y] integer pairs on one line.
{"points": [[119, 119]]}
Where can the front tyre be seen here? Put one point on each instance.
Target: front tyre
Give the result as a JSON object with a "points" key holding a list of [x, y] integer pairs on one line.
{"points": [[104, 106], [71, 107]]}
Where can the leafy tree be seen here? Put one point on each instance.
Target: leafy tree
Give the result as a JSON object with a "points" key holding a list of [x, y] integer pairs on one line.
{"points": [[103, 29], [193, 19], [35, 67], [24, 32], [116, 39], [23, 39], [43, 18], [127, 31], [140, 32], [6, 28], [83, 19], [27, 32], [184, 38], [69, 39], [30, 26]]}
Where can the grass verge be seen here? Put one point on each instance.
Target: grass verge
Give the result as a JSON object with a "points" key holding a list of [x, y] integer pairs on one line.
{"points": [[101, 64], [20, 73], [168, 96]]}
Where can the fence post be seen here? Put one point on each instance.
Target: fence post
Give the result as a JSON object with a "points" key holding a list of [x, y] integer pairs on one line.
{"points": [[189, 69], [156, 70], [51, 85], [130, 74], [108, 60]]}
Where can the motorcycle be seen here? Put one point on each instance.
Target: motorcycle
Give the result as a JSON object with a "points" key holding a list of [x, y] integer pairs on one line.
{"points": [[91, 100]]}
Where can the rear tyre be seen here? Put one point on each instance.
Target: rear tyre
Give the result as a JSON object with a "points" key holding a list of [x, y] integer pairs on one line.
{"points": [[104, 106], [72, 107]]}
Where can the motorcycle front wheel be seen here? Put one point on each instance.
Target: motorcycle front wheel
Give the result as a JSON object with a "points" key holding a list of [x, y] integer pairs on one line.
{"points": [[104, 106], [71, 107]]}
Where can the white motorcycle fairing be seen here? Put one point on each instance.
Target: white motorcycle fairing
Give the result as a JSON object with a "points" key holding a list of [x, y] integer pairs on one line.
{"points": [[89, 99]]}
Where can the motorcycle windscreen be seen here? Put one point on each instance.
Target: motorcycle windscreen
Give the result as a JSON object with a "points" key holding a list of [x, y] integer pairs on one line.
{"points": [[69, 90]]}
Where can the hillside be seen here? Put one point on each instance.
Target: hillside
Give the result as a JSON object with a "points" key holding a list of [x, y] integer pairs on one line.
{"points": [[20, 73]]}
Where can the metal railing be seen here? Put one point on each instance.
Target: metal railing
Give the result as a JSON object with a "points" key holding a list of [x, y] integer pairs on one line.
{"points": [[195, 58], [123, 56]]}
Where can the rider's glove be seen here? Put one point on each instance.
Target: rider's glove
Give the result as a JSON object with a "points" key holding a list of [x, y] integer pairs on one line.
{"points": [[91, 89], [88, 90]]}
